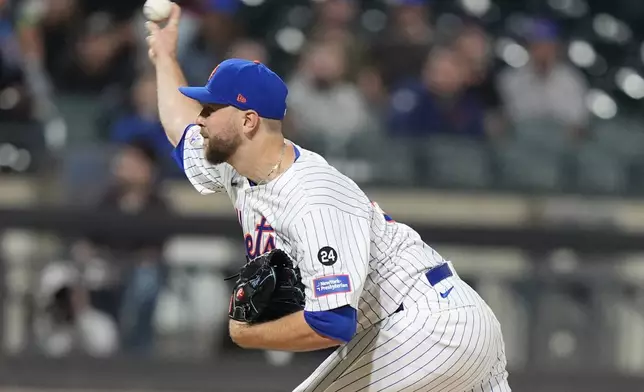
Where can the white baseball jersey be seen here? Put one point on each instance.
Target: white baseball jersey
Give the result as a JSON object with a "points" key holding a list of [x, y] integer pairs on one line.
{"points": [[351, 253]]}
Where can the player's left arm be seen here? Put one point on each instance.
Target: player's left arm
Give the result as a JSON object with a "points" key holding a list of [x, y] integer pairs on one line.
{"points": [[289, 333], [332, 254]]}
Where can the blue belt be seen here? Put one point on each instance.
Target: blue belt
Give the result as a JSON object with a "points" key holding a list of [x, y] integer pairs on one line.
{"points": [[434, 276], [438, 274]]}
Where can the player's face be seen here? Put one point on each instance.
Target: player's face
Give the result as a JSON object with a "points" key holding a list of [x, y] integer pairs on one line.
{"points": [[222, 138]]}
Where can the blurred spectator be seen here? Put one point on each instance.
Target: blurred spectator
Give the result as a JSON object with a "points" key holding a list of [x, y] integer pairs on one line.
{"points": [[65, 321], [21, 137], [321, 101], [219, 27], [39, 30], [336, 22], [84, 45], [141, 122], [372, 88], [546, 88], [473, 44], [212, 40], [411, 21], [136, 263], [439, 102], [16, 103], [335, 14], [401, 50], [249, 50]]}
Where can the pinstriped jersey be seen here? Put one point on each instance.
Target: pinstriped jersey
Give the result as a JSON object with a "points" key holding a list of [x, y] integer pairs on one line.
{"points": [[348, 250]]}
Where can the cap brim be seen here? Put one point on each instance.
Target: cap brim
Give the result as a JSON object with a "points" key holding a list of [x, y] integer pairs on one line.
{"points": [[201, 95]]}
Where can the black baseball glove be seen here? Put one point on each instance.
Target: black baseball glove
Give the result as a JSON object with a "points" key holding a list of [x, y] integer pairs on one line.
{"points": [[267, 288]]}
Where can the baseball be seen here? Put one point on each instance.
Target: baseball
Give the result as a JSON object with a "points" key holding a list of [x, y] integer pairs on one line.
{"points": [[157, 10]]}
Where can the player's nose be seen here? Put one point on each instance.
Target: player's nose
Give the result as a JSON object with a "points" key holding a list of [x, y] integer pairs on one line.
{"points": [[200, 120]]}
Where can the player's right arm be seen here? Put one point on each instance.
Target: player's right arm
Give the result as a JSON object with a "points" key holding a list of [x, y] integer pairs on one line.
{"points": [[178, 112]]}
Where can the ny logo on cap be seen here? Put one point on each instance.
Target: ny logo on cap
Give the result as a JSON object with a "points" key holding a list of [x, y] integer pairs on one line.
{"points": [[213, 72]]}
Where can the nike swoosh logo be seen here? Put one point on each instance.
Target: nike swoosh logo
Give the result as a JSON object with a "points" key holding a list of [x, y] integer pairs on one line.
{"points": [[445, 294]]}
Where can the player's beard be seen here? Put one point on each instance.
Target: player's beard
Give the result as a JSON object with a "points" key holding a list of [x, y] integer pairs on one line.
{"points": [[219, 150]]}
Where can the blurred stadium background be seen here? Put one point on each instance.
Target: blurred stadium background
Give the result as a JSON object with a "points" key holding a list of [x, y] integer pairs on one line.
{"points": [[510, 133]]}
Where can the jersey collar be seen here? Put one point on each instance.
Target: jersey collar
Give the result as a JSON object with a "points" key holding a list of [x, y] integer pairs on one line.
{"points": [[297, 155]]}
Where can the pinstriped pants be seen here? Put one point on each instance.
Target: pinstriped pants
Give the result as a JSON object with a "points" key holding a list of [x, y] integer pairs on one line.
{"points": [[458, 348]]}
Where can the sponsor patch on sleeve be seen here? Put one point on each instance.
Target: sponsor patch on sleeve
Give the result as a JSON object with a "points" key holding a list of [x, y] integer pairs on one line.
{"points": [[333, 284]]}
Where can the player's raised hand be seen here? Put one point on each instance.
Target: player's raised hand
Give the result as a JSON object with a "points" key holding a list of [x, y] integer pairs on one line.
{"points": [[162, 41]]}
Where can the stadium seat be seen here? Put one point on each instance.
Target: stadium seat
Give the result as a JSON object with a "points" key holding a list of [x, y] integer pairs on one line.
{"points": [[81, 114], [636, 177], [599, 170], [625, 138], [391, 160], [523, 167], [203, 252], [542, 135], [563, 339], [457, 161], [198, 265], [84, 168], [26, 136], [316, 142]]}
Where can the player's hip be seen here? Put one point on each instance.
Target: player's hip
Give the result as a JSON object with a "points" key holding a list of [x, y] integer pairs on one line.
{"points": [[455, 346], [416, 350], [443, 298], [443, 337], [439, 289]]}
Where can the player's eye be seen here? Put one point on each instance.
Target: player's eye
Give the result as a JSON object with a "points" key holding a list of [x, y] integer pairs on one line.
{"points": [[207, 111]]}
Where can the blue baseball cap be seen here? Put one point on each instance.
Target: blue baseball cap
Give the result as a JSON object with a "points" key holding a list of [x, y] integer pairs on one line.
{"points": [[246, 85]]}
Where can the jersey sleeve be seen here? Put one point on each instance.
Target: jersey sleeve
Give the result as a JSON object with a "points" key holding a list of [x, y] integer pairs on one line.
{"points": [[203, 175], [333, 256]]}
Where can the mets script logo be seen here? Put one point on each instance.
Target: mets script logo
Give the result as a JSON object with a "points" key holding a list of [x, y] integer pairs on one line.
{"points": [[260, 242]]}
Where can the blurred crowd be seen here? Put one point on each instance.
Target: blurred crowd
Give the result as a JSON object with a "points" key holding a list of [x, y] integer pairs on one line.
{"points": [[363, 75], [390, 69], [99, 298]]}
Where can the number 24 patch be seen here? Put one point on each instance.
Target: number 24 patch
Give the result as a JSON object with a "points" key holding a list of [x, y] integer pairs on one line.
{"points": [[327, 256]]}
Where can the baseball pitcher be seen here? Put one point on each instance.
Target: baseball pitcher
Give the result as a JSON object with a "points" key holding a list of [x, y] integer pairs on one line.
{"points": [[327, 267]]}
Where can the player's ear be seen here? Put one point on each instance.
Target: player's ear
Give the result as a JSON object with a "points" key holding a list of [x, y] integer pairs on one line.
{"points": [[250, 122]]}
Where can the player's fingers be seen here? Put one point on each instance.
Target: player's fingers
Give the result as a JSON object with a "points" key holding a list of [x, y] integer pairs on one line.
{"points": [[152, 27], [175, 15], [151, 55]]}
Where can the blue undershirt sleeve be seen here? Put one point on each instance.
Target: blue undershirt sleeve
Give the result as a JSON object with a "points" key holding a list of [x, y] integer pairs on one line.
{"points": [[339, 323], [177, 153]]}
